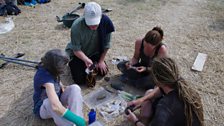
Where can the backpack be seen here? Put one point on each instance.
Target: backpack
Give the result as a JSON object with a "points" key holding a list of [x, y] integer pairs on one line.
{"points": [[3, 10], [10, 9]]}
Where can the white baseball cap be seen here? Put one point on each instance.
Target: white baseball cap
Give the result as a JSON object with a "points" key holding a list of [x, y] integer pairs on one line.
{"points": [[92, 13]]}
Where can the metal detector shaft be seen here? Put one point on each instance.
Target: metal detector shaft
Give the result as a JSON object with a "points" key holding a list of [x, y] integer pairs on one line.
{"points": [[16, 59], [16, 62], [81, 5], [18, 55]]}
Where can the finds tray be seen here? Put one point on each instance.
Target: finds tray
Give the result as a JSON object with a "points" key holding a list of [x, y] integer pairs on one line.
{"points": [[97, 97], [112, 108]]}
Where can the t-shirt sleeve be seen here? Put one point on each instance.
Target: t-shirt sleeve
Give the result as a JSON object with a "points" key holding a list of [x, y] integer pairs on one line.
{"points": [[163, 116], [107, 41], [75, 38], [44, 78]]}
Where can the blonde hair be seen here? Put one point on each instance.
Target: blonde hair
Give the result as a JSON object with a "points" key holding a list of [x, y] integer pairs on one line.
{"points": [[165, 71]]}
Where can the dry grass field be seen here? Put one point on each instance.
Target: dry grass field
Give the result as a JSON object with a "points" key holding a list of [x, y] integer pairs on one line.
{"points": [[190, 27]]}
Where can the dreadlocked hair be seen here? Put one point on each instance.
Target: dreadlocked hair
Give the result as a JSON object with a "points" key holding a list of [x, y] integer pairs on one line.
{"points": [[165, 71]]}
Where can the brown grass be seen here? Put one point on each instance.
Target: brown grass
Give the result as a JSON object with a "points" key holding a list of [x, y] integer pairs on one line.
{"points": [[190, 26]]}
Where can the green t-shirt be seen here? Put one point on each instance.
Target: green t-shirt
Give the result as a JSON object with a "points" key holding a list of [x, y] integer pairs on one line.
{"points": [[84, 39]]}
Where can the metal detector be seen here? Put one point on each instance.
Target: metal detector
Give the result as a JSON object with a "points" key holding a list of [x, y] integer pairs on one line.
{"points": [[22, 62]]}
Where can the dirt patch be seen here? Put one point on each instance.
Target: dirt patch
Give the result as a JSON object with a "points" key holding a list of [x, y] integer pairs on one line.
{"points": [[190, 26]]}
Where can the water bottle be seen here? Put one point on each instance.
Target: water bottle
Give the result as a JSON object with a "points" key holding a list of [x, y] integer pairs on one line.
{"points": [[92, 116]]}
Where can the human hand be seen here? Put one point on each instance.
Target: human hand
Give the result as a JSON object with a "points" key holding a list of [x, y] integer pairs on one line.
{"points": [[128, 65], [135, 103], [131, 116], [102, 67], [88, 62], [140, 69]]}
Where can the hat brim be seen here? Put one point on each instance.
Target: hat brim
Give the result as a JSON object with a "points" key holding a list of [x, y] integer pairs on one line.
{"points": [[93, 21]]}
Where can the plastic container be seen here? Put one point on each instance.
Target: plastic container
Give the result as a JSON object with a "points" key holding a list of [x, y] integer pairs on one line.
{"points": [[92, 116]]}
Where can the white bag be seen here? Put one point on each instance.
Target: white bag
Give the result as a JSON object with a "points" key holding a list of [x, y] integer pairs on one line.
{"points": [[7, 25]]}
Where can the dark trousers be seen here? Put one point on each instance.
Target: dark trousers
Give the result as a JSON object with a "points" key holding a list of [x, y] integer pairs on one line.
{"points": [[140, 80], [77, 67]]}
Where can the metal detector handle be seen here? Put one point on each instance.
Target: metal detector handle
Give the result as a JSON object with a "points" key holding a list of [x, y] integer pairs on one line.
{"points": [[106, 10], [81, 6], [58, 19], [18, 55]]}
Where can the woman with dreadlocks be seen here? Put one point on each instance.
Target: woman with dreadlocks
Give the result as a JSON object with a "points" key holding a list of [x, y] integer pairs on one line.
{"points": [[51, 100], [173, 102]]}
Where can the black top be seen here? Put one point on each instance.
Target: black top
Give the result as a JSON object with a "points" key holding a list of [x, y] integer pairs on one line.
{"points": [[105, 27], [146, 60], [170, 112]]}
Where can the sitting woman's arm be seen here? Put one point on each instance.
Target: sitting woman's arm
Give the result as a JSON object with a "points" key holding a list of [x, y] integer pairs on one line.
{"points": [[152, 94], [163, 117], [132, 117], [163, 52], [58, 108], [135, 57], [155, 93]]}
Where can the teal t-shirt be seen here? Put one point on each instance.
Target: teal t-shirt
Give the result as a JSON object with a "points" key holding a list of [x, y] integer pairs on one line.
{"points": [[84, 39]]}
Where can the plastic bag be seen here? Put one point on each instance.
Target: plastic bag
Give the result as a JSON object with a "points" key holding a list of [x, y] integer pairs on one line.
{"points": [[7, 25]]}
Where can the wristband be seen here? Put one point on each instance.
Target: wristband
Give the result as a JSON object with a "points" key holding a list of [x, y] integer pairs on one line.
{"points": [[137, 122], [79, 121]]}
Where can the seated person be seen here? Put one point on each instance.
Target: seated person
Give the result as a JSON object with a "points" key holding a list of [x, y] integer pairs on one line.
{"points": [[172, 103], [51, 98], [137, 71], [90, 41]]}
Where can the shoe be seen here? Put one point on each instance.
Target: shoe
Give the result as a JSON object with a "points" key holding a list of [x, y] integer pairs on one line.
{"points": [[118, 86]]}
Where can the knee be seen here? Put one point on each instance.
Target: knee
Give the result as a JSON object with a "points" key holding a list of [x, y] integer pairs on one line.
{"points": [[46, 102], [44, 109], [148, 91], [121, 66], [75, 88]]}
